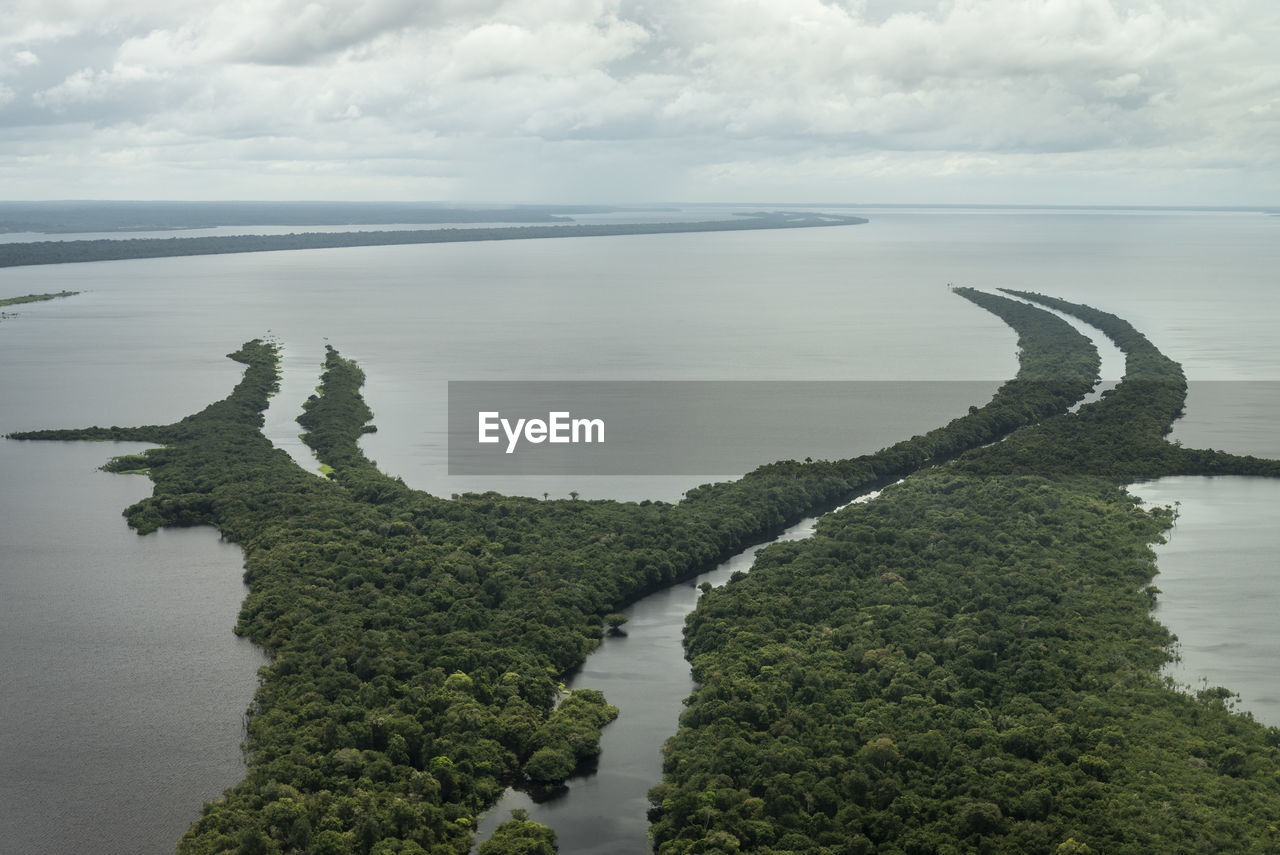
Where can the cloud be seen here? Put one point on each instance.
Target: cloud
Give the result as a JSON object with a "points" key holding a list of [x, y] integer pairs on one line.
{"points": [[706, 95], [88, 86], [979, 75], [557, 49]]}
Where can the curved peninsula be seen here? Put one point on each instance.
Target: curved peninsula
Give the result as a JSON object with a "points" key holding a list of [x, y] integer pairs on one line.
{"points": [[417, 642], [968, 663]]}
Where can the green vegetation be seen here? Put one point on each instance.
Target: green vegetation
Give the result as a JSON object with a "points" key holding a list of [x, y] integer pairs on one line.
{"points": [[968, 664], [127, 464], [417, 643], [60, 252], [519, 836], [34, 298], [1122, 437]]}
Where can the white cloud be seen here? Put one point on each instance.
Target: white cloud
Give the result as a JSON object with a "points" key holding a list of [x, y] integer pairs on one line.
{"points": [[89, 86], [706, 95], [502, 49]]}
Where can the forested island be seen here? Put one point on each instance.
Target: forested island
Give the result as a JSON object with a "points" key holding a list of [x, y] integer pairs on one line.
{"points": [[67, 251], [35, 298], [966, 663]]}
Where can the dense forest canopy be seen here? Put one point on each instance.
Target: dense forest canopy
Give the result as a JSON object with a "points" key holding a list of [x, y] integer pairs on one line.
{"points": [[969, 664], [965, 663]]}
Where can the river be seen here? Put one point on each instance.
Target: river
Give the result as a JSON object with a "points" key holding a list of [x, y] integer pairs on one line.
{"points": [[124, 689]]}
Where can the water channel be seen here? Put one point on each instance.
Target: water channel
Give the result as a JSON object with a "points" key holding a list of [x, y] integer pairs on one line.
{"points": [[642, 670]]}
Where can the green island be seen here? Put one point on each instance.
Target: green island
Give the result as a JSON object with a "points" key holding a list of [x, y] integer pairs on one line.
{"points": [[68, 251], [966, 663], [34, 298]]}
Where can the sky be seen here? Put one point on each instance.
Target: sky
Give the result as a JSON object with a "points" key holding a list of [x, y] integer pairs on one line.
{"points": [[1121, 102]]}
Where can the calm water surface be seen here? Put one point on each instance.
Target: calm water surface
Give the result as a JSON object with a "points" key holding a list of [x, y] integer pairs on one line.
{"points": [[1220, 592], [114, 673], [124, 689]]}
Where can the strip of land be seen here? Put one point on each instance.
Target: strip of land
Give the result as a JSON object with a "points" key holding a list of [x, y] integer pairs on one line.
{"points": [[63, 252], [34, 298]]}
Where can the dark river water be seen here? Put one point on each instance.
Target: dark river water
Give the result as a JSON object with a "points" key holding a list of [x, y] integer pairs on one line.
{"points": [[123, 686]]}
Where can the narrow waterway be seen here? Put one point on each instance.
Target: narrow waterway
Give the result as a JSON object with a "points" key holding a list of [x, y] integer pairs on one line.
{"points": [[1112, 367], [300, 369], [644, 673]]}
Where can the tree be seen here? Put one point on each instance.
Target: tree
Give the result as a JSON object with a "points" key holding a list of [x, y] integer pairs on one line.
{"points": [[551, 765], [520, 836]]}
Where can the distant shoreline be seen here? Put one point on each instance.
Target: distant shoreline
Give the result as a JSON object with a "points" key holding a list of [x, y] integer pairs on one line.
{"points": [[75, 251]]}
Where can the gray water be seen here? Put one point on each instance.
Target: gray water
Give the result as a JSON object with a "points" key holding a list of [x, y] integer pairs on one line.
{"points": [[124, 689], [145, 344], [1220, 586]]}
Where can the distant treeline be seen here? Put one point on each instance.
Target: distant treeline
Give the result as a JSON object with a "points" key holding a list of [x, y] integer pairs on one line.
{"points": [[61, 252], [96, 216]]}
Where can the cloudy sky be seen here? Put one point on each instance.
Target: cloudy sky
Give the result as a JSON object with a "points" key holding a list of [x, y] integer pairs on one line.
{"points": [[984, 101]]}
